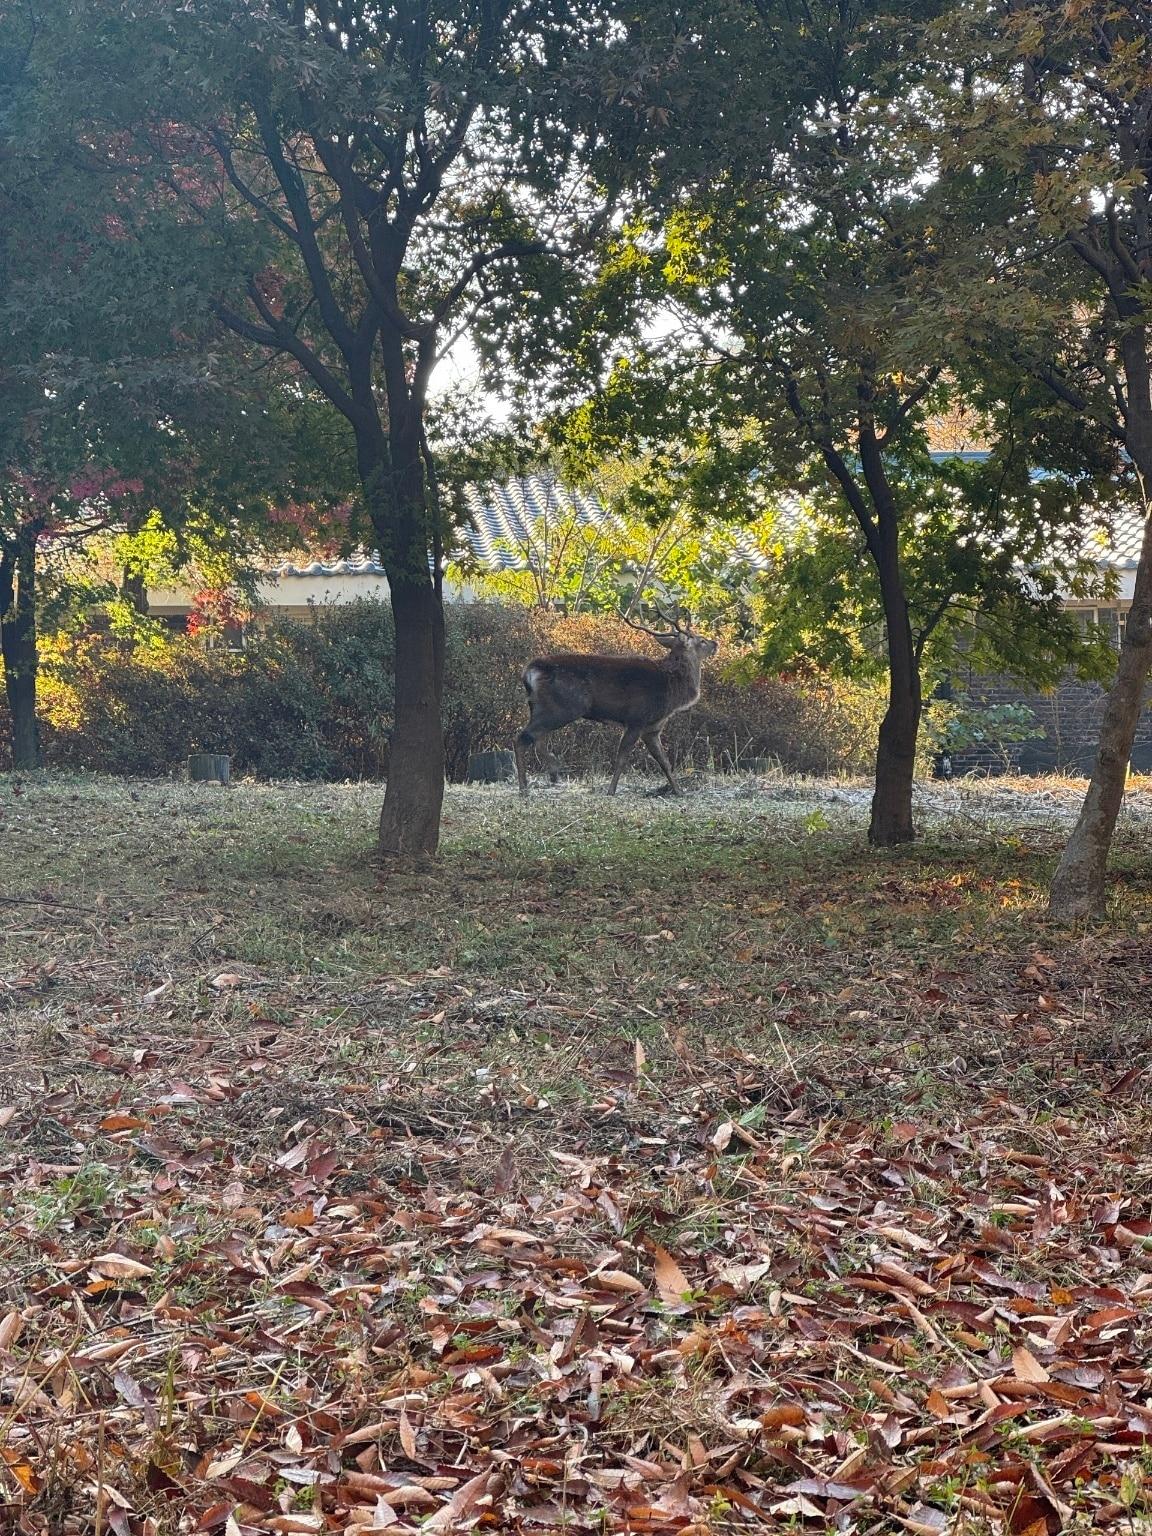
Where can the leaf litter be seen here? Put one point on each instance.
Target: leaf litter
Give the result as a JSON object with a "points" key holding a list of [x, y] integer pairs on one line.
{"points": [[243, 1292]]}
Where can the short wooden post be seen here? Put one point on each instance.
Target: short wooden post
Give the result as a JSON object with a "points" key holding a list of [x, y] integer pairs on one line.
{"points": [[209, 767]]}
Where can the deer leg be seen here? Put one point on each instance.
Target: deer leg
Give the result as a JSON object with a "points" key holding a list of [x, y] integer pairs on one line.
{"points": [[656, 747], [523, 742], [531, 736], [629, 739], [550, 761]]}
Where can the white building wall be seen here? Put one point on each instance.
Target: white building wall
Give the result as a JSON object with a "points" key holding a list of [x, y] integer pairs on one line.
{"points": [[298, 594]]}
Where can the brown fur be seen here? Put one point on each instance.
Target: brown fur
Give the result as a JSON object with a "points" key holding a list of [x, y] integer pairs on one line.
{"points": [[633, 691]]}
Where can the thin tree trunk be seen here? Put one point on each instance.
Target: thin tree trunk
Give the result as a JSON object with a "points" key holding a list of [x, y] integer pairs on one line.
{"points": [[134, 590], [18, 645], [1078, 886]]}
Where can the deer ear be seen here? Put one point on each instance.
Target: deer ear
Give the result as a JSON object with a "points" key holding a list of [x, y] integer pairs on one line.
{"points": [[667, 641]]}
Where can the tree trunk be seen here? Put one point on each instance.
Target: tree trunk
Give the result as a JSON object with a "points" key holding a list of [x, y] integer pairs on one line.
{"points": [[18, 644], [1078, 887], [410, 817], [134, 590], [891, 821]]}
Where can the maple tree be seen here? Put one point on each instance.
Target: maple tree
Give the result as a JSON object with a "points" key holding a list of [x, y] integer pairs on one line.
{"points": [[810, 279], [121, 436], [1054, 104], [41, 516], [368, 183]]}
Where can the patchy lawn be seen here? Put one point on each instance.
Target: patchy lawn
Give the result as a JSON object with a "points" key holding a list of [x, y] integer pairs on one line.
{"points": [[645, 1165]]}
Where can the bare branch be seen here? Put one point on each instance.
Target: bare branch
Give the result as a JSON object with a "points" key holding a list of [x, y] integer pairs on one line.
{"points": [[296, 195], [224, 150]]}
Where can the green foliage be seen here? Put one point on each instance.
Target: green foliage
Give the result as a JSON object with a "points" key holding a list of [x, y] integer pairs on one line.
{"points": [[1044, 136], [816, 278], [659, 543], [965, 725], [988, 560]]}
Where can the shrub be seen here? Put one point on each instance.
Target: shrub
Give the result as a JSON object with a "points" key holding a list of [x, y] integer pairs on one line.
{"points": [[314, 700]]}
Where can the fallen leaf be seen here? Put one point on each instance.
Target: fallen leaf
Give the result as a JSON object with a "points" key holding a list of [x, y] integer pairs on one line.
{"points": [[618, 1280], [115, 1266], [671, 1281], [1026, 1367], [460, 1505]]}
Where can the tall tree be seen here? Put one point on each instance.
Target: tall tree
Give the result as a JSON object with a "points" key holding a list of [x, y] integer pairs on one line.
{"points": [[1055, 102], [366, 177], [114, 412], [810, 266]]}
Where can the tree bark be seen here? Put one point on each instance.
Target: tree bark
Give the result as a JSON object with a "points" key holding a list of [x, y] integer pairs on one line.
{"points": [[18, 644], [1079, 884], [395, 488], [891, 821], [410, 818]]}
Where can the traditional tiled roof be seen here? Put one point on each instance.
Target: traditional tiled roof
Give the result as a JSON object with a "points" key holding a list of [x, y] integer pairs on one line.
{"points": [[505, 521], [367, 565], [1119, 545]]}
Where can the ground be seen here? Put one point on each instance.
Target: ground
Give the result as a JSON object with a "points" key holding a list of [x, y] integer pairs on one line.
{"points": [[641, 1165]]}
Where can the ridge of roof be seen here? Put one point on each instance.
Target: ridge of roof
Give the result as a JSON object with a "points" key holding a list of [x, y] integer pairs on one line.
{"points": [[504, 518]]}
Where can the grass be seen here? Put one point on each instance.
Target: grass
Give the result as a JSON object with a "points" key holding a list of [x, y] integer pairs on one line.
{"points": [[194, 981], [569, 928]]}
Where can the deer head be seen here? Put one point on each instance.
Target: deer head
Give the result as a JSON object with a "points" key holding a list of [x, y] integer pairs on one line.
{"points": [[679, 638]]}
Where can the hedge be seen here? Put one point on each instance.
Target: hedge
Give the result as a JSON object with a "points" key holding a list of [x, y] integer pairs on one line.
{"points": [[313, 700]]}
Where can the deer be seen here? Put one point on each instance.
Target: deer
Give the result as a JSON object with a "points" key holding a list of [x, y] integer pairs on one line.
{"points": [[631, 691]]}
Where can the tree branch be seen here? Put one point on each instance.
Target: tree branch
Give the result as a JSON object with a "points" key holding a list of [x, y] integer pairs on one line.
{"points": [[478, 264], [910, 404], [223, 149], [280, 336], [296, 196]]}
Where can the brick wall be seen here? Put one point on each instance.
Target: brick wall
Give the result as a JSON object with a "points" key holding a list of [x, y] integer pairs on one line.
{"points": [[1068, 728]]}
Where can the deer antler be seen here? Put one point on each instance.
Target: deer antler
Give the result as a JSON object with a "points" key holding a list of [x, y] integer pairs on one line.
{"points": [[680, 623], [644, 630]]}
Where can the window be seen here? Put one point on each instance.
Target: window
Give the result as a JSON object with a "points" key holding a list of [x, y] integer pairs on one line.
{"points": [[1110, 620], [227, 637]]}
